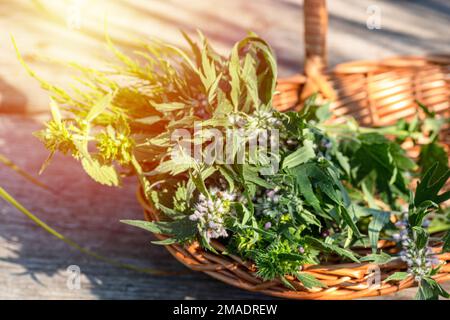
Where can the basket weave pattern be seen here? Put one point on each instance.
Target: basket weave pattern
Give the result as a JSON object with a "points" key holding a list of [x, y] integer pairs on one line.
{"points": [[375, 93]]}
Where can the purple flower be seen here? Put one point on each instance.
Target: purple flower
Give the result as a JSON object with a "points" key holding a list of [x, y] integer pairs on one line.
{"points": [[268, 225]]}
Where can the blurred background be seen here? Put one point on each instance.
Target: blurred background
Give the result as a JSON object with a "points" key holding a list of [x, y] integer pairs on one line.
{"points": [[62, 30], [48, 32]]}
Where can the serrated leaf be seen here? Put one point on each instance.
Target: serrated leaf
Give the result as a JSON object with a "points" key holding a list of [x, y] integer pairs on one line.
{"points": [[421, 237], [305, 188], [328, 247], [181, 230], [252, 176], [199, 182], [101, 173], [287, 283], [299, 156], [380, 258], [397, 276], [309, 281], [150, 120], [56, 114], [428, 188], [429, 289], [249, 76], [349, 220], [418, 214]]}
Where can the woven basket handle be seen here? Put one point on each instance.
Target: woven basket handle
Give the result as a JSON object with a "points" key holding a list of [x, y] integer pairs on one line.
{"points": [[316, 24]]}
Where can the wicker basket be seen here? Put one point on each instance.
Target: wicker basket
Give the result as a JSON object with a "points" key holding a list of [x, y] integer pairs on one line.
{"points": [[374, 93]]}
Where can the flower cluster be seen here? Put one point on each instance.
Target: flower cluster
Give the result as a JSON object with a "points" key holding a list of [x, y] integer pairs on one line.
{"points": [[262, 120], [115, 146], [420, 261], [276, 203], [267, 203], [323, 147], [58, 137], [256, 122], [210, 213]]}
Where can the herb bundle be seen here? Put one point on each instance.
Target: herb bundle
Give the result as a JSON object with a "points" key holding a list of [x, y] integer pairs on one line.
{"points": [[334, 188]]}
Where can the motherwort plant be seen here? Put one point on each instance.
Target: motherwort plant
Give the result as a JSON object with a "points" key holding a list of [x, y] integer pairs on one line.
{"points": [[334, 195]]}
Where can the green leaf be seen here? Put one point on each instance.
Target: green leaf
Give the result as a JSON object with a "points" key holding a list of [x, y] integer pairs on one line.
{"points": [[309, 173], [433, 153], [184, 56], [421, 237], [426, 292], [430, 185], [349, 220], [305, 188], [199, 181], [165, 242], [168, 212], [229, 175], [328, 247], [234, 70], [243, 212], [429, 289], [397, 276], [299, 156], [378, 158], [101, 173], [446, 246], [168, 107], [380, 258], [308, 217], [418, 214], [252, 175], [344, 162], [309, 281], [99, 107], [379, 220], [248, 74], [287, 284], [436, 287], [181, 230], [426, 110]]}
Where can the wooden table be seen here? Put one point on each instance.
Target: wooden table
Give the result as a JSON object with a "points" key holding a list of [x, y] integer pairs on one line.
{"points": [[33, 263]]}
